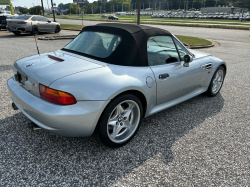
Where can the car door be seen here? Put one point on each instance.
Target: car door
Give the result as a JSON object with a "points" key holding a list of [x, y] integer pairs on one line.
{"points": [[173, 79], [36, 22]]}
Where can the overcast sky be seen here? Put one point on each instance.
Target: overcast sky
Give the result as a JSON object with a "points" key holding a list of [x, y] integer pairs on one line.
{"points": [[29, 3]]}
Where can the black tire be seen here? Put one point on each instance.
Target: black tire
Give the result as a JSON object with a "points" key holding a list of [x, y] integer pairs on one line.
{"points": [[103, 128], [35, 31], [210, 91], [58, 29], [17, 33]]}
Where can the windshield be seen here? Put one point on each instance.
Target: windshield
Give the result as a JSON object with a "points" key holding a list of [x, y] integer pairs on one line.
{"points": [[97, 44], [23, 17]]}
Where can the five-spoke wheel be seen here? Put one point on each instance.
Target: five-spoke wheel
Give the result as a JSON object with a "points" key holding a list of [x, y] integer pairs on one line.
{"points": [[216, 82], [120, 120]]}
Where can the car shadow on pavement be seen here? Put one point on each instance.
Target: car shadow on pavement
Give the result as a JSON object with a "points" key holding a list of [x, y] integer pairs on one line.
{"points": [[76, 161], [8, 34], [5, 67]]}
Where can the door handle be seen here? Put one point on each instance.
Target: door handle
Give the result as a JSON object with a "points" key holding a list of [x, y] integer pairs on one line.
{"points": [[164, 76]]}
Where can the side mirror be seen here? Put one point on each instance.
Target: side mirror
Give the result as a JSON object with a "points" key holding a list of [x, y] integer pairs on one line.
{"points": [[187, 60], [49, 21]]}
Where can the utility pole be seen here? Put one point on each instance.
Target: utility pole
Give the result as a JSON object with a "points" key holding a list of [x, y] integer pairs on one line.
{"points": [[187, 6], [53, 10], [42, 7], [92, 8], [160, 6], [193, 5], [149, 5], [122, 7], [180, 5], [138, 12], [155, 7]]}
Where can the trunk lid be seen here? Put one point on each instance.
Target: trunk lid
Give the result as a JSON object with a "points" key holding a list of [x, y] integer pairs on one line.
{"points": [[45, 70], [15, 22]]}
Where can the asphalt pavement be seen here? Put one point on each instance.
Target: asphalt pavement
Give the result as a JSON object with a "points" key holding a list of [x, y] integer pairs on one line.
{"points": [[201, 142]]}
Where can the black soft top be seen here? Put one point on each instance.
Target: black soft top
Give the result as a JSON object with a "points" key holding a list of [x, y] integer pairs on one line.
{"points": [[132, 50]]}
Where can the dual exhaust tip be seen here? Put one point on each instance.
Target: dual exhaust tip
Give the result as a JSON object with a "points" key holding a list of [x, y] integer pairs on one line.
{"points": [[32, 125]]}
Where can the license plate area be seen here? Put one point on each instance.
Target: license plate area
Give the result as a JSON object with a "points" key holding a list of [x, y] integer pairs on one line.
{"points": [[21, 78]]}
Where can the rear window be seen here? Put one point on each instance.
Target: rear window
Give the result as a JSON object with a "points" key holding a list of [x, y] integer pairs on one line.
{"points": [[23, 17], [97, 44], [2, 18]]}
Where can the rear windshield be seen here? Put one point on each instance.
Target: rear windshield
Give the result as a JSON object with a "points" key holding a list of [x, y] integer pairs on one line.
{"points": [[2, 18], [23, 17], [97, 44]]}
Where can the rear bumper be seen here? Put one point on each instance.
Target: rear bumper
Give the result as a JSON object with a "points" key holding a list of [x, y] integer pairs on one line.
{"points": [[75, 120], [19, 29]]}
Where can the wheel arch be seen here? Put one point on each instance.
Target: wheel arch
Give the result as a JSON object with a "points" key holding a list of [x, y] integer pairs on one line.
{"points": [[139, 95]]}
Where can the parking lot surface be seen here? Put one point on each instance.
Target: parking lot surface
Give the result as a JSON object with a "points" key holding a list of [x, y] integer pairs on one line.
{"points": [[201, 142]]}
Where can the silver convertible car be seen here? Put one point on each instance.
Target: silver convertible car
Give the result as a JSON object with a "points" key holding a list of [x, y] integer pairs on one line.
{"points": [[108, 79]]}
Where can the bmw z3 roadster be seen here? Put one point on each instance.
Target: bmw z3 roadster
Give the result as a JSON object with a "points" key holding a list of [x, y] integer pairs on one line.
{"points": [[108, 79]]}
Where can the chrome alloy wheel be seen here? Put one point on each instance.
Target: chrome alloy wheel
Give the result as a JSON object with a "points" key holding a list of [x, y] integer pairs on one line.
{"points": [[217, 82], [123, 121]]}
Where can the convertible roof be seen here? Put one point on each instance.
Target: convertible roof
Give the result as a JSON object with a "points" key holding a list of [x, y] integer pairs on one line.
{"points": [[132, 50], [132, 28]]}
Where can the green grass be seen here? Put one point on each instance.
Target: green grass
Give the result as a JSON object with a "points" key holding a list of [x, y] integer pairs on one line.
{"points": [[193, 41]]}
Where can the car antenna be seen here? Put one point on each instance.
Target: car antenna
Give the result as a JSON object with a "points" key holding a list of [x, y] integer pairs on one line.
{"points": [[35, 39]]}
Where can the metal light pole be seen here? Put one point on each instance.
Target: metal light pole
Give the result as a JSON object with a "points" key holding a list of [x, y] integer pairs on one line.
{"points": [[180, 5], [138, 12], [155, 7], [160, 6], [149, 5], [42, 7], [53, 11], [193, 5]]}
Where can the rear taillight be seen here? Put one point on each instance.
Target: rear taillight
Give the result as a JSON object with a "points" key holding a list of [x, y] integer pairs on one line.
{"points": [[55, 96]]}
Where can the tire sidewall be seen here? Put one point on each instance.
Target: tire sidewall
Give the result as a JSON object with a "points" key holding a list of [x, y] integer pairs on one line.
{"points": [[102, 125], [33, 31], [209, 91]]}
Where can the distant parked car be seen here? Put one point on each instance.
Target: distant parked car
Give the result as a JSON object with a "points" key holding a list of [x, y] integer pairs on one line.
{"points": [[3, 21], [113, 17], [103, 16], [32, 24]]}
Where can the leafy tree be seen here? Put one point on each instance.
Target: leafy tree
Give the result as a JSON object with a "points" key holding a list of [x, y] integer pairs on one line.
{"points": [[36, 10], [23, 10]]}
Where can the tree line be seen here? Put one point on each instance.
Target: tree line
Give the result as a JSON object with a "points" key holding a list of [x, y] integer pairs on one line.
{"points": [[104, 6]]}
